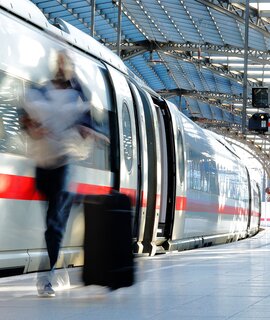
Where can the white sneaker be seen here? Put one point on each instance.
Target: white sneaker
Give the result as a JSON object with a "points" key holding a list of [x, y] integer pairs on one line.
{"points": [[44, 288]]}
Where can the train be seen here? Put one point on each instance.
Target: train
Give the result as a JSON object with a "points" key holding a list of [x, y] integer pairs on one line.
{"points": [[187, 185]]}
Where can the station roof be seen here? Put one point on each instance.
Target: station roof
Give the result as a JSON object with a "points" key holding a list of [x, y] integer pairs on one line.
{"points": [[190, 51]]}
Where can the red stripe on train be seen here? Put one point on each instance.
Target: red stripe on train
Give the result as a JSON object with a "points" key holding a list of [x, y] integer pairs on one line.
{"points": [[193, 206], [181, 203], [23, 188], [18, 188], [200, 207]]}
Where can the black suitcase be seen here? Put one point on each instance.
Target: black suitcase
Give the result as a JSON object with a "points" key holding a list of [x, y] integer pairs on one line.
{"points": [[108, 256]]}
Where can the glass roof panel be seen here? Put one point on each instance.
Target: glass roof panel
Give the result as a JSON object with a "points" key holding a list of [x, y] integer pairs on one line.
{"points": [[193, 107], [255, 40], [217, 113], [205, 22], [228, 28], [206, 110]]}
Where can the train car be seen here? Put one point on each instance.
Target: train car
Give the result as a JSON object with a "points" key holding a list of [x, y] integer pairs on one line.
{"points": [[188, 187]]}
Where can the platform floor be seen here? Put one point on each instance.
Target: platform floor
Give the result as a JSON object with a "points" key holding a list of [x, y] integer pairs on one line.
{"points": [[229, 281]]}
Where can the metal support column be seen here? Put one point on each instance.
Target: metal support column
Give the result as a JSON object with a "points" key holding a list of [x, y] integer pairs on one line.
{"points": [[244, 110], [119, 27], [93, 11]]}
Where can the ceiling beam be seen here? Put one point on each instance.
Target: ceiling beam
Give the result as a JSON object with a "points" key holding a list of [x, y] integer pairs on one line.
{"points": [[258, 56], [193, 93]]}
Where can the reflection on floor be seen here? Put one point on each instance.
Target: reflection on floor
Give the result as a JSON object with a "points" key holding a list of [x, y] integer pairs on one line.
{"points": [[222, 282]]}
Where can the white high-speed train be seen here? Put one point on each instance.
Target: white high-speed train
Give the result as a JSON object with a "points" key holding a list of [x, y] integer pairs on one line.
{"points": [[188, 187]]}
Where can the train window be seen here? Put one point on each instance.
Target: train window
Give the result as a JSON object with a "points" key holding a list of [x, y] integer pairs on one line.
{"points": [[95, 82], [100, 105], [2, 129], [181, 155], [127, 137], [202, 174], [12, 139]]}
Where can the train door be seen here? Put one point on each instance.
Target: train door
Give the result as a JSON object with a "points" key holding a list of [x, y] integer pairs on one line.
{"points": [[161, 174], [168, 169], [157, 172], [128, 155], [250, 193], [141, 204], [153, 171], [177, 216], [163, 170]]}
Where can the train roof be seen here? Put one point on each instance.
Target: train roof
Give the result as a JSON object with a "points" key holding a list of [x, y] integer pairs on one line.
{"points": [[26, 10]]}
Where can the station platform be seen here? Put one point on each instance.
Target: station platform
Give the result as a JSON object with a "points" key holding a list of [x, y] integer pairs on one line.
{"points": [[221, 282]]}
